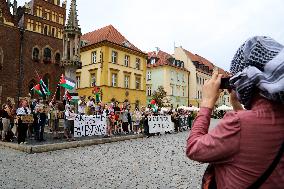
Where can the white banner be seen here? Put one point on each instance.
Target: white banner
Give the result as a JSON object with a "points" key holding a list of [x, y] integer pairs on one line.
{"points": [[89, 125], [160, 124]]}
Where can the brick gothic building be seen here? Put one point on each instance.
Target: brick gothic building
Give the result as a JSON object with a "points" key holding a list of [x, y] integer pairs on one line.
{"points": [[30, 42]]}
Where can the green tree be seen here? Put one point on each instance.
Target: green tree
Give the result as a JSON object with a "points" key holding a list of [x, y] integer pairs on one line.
{"points": [[160, 96]]}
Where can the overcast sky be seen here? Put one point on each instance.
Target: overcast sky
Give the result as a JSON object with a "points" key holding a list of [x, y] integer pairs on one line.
{"points": [[213, 29]]}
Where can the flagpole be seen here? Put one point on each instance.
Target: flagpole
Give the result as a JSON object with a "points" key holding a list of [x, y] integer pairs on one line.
{"points": [[37, 75]]}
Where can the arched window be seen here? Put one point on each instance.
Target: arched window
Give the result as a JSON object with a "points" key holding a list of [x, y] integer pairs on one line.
{"points": [[35, 54], [57, 58], [47, 55]]}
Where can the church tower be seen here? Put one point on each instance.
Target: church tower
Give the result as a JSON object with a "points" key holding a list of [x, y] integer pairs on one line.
{"points": [[71, 44]]}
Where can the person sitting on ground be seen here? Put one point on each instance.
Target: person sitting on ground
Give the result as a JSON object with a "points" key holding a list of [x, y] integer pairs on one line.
{"points": [[245, 148]]}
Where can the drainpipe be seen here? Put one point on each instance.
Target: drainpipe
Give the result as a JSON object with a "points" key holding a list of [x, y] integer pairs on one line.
{"points": [[21, 65]]}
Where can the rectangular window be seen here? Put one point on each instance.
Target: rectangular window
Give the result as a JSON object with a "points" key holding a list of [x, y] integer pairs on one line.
{"points": [[93, 80], [126, 81], [126, 60], [172, 75], [114, 80], [114, 57], [101, 56], [78, 79], [177, 77], [37, 10], [40, 11], [138, 83], [172, 90], [137, 64], [149, 90], [183, 91], [149, 75], [94, 57]]}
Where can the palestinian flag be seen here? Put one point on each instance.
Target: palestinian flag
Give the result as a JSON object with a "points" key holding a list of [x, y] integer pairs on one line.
{"points": [[44, 88], [38, 90], [67, 96], [67, 83]]}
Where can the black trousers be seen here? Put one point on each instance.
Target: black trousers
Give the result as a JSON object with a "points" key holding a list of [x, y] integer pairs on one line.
{"points": [[125, 126], [22, 132]]}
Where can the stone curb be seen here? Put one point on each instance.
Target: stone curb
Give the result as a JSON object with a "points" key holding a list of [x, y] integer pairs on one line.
{"points": [[66, 145]]}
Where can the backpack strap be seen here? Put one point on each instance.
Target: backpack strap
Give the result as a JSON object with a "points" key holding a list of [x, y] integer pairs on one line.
{"points": [[269, 171]]}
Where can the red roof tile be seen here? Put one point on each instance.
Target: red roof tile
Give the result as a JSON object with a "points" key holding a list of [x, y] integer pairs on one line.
{"points": [[163, 59], [206, 62], [108, 33], [191, 56]]}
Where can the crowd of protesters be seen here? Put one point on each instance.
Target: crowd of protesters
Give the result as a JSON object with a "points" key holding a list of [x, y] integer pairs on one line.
{"points": [[120, 119]]}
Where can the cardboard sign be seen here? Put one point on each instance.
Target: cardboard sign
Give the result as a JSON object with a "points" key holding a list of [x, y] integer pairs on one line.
{"points": [[26, 118]]}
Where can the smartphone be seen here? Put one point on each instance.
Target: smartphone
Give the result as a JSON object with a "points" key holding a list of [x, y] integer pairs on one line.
{"points": [[225, 83]]}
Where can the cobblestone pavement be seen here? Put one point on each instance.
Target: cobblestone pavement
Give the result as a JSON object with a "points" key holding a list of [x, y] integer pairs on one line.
{"points": [[156, 162]]}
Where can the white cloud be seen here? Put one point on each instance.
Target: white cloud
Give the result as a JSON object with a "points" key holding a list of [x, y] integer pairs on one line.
{"points": [[212, 28]]}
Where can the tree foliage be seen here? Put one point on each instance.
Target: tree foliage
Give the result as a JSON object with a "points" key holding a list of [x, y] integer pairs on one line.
{"points": [[160, 96]]}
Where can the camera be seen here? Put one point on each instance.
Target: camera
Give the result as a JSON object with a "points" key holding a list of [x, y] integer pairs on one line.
{"points": [[225, 83]]}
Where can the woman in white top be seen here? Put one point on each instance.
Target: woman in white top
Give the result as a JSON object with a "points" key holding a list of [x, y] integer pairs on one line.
{"points": [[22, 127], [69, 122]]}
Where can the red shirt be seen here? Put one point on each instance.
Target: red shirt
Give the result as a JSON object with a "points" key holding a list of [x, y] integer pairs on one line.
{"points": [[242, 146]]}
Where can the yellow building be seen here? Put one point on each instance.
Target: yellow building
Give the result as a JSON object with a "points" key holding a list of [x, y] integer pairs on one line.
{"points": [[116, 66]]}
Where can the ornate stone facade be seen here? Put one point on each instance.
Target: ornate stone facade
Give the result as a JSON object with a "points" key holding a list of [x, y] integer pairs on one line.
{"points": [[31, 39]]}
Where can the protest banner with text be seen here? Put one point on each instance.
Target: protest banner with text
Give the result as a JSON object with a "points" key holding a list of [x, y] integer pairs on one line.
{"points": [[89, 125], [160, 124]]}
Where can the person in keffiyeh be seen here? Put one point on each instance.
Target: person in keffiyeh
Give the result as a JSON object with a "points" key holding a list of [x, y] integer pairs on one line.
{"points": [[242, 146], [258, 67]]}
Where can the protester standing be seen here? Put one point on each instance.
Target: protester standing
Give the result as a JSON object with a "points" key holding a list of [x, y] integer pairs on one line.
{"points": [[22, 127], [125, 121], [136, 120], [82, 105], [4, 114], [69, 122]]}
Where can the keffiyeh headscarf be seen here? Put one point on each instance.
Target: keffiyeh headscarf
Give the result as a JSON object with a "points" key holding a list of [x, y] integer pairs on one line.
{"points": [[258, 64]]}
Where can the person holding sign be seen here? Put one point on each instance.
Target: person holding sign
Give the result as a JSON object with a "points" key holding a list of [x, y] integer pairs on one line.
{"points": [[22, 127]]}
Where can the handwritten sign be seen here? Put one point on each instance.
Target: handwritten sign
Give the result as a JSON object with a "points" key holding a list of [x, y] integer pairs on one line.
{"points": [[25, 118], [89, 125], [160, 124], [183, 121]]}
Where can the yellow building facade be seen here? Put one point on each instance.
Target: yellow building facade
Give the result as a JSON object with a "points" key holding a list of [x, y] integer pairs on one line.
{"points": [[116, 69]]}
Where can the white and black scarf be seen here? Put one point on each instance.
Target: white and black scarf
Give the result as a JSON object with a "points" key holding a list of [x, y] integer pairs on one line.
{"points": [[258, 65]]}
